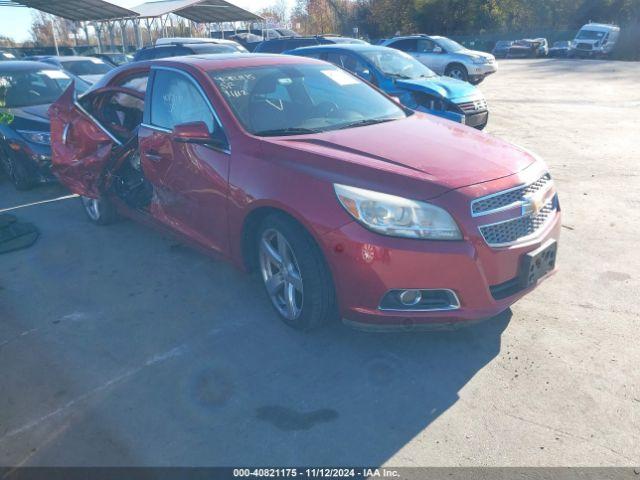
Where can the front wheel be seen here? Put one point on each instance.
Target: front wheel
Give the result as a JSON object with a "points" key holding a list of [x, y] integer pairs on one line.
{"points": [[457, 71], [99, 210], [295, 275], [18, 173]]}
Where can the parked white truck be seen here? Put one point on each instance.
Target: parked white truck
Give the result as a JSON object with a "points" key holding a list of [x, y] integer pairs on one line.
{"points": [[595, 40]]}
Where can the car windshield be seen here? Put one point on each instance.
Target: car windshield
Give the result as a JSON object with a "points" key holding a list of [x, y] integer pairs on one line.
{"points": [[397, 64], [24, 89], [589, 35], [504, 43], [449, 45], [300, 99], [561, 44], [95, 66]]}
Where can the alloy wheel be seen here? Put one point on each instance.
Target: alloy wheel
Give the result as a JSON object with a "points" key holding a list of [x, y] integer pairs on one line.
{"points": [[281, 274], [457, 74], [92, 207]]}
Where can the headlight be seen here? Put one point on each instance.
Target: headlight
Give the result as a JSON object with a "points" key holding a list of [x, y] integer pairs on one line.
{"points": [[396, 216], [43, 138], [480, 60]]}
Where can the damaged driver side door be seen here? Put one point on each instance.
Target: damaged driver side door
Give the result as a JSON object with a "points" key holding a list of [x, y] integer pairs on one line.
{"points": [[88, 133]]}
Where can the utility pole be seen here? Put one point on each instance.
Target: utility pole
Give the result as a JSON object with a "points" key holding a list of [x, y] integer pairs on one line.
{"points": [[55, 36]]}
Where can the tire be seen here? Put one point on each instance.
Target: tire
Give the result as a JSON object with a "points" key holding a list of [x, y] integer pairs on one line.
{"points": [[100, 211], [457, 71], [307, 283], [17, 173]]}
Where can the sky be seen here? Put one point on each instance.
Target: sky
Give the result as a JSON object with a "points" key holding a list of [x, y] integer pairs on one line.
{"points": [[15, 21]]}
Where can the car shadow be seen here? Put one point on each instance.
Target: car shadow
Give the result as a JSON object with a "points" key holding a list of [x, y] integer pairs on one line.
{"points": [[152, 354]]}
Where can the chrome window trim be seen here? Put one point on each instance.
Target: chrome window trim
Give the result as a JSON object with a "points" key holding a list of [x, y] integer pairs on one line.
{"points": [[202, 93], [520, 240], [155, 127], [453, 306]]}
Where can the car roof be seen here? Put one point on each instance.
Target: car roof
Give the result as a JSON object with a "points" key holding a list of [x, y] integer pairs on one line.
{"points": [[71, 58], [222, 61], [356, 47], [599, 26], [25, 66]]}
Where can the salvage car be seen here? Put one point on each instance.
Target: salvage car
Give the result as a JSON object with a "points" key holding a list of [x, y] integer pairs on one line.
{"points": [[561, 48], [27, 89], [89, 69], [349, 205], [528, 48], [501, 48], [403, 77], [446, 57]]}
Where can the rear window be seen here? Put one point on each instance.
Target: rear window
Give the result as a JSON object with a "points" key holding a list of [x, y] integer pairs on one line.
{"points": [[94, 66], [213, 48]]}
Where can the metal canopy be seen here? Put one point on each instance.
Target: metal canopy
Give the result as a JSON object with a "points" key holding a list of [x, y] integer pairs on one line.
{"points": [[79, 10], [199, 11]]}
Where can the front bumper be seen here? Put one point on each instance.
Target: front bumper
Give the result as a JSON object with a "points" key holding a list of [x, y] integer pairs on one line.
{"points": [[366, 266], [482, 70]]}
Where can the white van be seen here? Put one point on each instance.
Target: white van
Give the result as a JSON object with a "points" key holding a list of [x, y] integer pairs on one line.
{"points": [[595, 39]]}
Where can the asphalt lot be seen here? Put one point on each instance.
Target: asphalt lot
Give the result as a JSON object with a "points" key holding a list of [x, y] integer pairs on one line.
{"points": [[119, 346]]}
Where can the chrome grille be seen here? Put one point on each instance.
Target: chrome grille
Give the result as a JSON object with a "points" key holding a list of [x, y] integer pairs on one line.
{"points": [[584, 46], [473, 106], [508, 198], [518, 229]]}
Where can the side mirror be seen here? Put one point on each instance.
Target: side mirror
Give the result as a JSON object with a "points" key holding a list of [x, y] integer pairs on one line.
{"points": [[366, 74], [193, 132], [198, 132]]}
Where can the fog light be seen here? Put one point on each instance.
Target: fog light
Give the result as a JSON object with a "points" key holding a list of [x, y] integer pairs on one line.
{"points": [[410, 297]]}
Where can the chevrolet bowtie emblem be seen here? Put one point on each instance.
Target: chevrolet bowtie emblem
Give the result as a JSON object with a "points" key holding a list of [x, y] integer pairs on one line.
{"points": [[532, 204]]}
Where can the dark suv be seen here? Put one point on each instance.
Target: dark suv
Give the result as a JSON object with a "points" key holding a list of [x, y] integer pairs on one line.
{"points": [[180, 49], [283, 44]]}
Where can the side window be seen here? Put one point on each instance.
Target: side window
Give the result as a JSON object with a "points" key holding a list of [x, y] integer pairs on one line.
{"points": [[144, 55], [118, 112], [348, 62], [425, 46], [406, 45], [137, 82], [175, 100], [317, 55]]}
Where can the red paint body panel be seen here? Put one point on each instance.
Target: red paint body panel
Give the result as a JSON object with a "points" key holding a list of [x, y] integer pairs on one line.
{"points": [[205, 195]]}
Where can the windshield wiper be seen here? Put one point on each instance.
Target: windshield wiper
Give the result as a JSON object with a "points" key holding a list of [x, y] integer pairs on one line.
{"points": [[365, 122], [398, 75], [285, 131]]}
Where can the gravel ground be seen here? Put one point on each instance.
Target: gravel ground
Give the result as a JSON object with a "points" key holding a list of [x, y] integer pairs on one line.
{"points": [[120, 347]]}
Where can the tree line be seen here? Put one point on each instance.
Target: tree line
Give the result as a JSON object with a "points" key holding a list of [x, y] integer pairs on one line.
{"points": [[383, 18]]}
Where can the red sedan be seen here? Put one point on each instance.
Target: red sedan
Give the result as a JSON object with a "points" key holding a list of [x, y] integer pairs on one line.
{"points": [[349, 205]]}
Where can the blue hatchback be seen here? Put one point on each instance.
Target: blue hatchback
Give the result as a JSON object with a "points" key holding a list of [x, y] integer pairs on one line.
{"points": [[402, 76]]}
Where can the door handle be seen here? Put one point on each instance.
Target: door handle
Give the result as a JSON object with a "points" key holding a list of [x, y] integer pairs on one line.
{"points": [[153, 156]]}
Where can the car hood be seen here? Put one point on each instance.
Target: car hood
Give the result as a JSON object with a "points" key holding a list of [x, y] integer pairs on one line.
{"points": [[35, 113], [419, 148], [476, 54], [444, 87]]}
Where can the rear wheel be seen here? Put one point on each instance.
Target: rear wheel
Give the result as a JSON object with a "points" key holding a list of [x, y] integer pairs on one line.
{"points": [[99, 210], [457, 71], [17, 172], [295, 275]]}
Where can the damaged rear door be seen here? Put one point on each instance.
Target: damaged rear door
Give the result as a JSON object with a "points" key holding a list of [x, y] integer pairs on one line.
{"points": [[87, 133]]}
